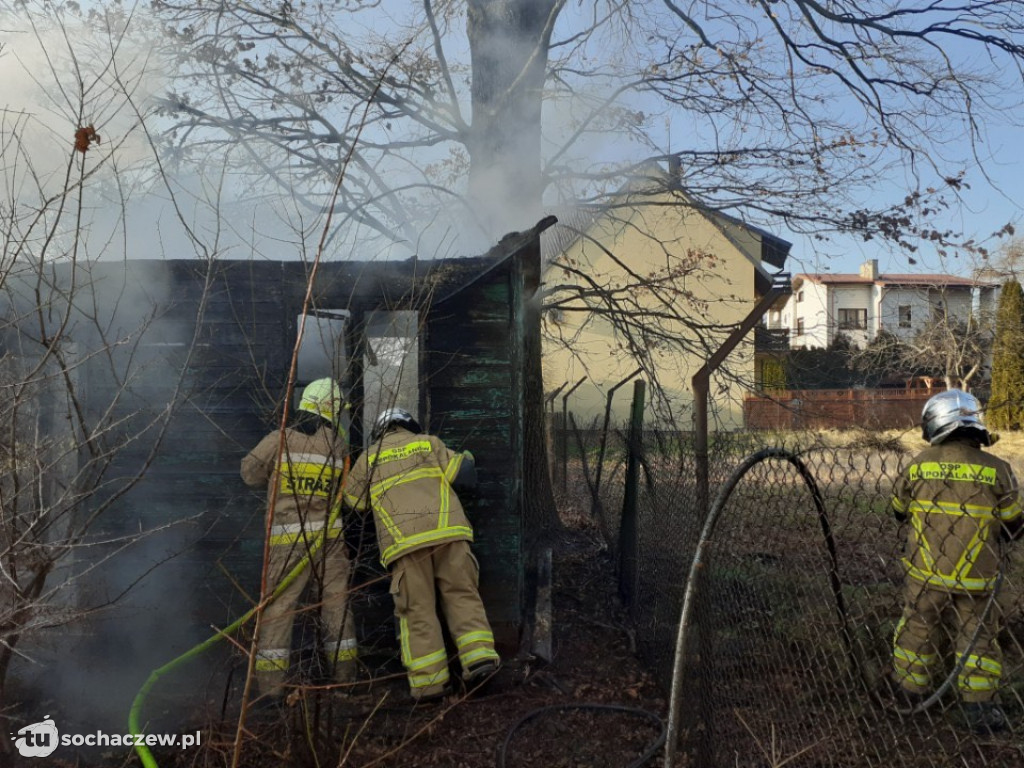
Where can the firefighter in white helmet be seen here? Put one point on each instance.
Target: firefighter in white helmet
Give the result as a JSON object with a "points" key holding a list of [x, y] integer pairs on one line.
{"points": [[308, 474], [961, 503], [410, 481]]}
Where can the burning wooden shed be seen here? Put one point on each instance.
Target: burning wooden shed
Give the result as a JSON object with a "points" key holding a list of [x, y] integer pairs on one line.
{"points": [[200, 380]]}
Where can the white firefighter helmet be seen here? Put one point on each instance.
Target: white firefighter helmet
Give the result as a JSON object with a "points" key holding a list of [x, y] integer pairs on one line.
{"points": [[393, 417], [949, 411], [323, 397]]}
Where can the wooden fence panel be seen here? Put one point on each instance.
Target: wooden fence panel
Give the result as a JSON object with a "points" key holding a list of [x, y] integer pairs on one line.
{"points": [[836, 408]]}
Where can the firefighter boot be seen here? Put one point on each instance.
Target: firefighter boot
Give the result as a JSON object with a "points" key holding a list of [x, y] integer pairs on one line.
{"points": [[480, 671]]}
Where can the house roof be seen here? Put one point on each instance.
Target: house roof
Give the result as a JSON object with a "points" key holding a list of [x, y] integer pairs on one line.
{"points": [[574, 222], [774, 249], [894, 278]]}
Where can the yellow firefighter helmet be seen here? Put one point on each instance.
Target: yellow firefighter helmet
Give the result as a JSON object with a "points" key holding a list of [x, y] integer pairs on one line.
{"points": [[323, 397]]}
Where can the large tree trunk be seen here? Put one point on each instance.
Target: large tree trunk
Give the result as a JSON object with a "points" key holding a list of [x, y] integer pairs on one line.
{"points": [[508, 42], [541, 516]]}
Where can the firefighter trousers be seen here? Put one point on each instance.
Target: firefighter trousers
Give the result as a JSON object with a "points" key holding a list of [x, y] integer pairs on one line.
{"points": [[329, 572], [453, 571], [934, 620]]}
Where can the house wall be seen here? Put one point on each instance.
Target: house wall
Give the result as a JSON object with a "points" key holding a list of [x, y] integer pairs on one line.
{"points": [[475, 401], [813, 309], [855, 297], [893, 297], [987, 300], [923, 303], [958, 301], [721, 289], [881, 302]]}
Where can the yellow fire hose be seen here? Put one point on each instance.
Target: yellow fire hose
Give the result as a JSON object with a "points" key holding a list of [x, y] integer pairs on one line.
{"points": [[134, 715]]}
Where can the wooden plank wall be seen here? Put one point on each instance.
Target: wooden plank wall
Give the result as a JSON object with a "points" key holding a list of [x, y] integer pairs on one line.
{"points": [[207, 545], [233, 384], [471, 383]]}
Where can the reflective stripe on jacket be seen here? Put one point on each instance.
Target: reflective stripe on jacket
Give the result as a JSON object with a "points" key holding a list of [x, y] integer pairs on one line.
{"points": [[311, 467], [957, 498], [406, 479]]}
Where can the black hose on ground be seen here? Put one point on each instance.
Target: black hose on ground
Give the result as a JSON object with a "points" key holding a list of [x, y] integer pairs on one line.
{"points": [[650, 752]]}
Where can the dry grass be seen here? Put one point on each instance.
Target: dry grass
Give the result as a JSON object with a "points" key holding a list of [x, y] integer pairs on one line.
{"points": [[1009, 446]]}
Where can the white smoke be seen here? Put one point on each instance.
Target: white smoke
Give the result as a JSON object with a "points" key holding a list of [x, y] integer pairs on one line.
{"points": [[64, 70]]}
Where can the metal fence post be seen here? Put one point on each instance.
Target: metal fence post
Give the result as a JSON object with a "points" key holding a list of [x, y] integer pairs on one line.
{"points": [[595, 503], [628, 523], [701, 383], [565, 432], [554, 439]]}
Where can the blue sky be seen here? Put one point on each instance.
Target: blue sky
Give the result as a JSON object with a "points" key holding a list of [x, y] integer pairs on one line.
{"points": [[985, 207], [993, 167]]}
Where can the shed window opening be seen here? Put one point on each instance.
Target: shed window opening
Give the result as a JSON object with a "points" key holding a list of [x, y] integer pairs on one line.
{"points": [[322, 353], [391, 363]]}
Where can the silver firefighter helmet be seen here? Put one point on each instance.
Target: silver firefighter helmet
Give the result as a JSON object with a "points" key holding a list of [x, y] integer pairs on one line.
{"points": [[393, 417], [949, 411]]}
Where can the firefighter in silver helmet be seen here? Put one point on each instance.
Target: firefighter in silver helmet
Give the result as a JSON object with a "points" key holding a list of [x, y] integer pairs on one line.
{"points": [[410, 481], [308, 474], [961, 503]]}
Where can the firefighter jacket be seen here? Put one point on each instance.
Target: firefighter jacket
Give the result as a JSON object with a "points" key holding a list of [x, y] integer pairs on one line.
{"points": [[310, 470], [958, 500], [408, 481]]}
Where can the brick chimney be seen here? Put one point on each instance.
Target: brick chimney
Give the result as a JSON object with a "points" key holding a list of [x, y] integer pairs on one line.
{"points": [[869, 269]]}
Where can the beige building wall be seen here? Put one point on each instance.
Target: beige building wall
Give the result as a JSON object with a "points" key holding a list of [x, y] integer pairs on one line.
{"points": [[652, 235]]}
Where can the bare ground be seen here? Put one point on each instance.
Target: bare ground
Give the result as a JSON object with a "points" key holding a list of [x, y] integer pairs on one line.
{"points": [[593, 663]]}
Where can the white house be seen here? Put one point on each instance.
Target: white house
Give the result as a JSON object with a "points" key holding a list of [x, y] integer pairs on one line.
{"points": [[861, 305]]}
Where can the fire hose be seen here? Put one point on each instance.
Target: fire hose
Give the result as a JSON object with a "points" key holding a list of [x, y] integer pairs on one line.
{"points": [[134, 714]]}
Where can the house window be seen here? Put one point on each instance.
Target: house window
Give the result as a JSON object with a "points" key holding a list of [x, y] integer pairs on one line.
{"points": [[853, 319], [903, 312], [799, 296], [799, 326]]}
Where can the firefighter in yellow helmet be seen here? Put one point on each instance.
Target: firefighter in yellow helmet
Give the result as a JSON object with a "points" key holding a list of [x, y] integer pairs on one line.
{"points": [[410, 481], [961, 503], [307, 474]]}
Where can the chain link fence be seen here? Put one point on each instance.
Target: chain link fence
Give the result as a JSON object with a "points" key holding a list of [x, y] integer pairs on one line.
{"points": [[790, 650]]}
